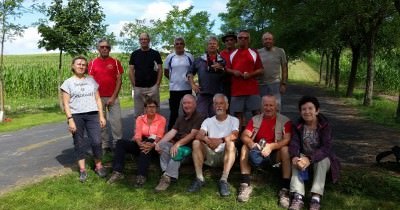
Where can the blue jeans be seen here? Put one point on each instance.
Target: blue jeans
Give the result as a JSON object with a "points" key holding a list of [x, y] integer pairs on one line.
{"points": [[90, 122]]}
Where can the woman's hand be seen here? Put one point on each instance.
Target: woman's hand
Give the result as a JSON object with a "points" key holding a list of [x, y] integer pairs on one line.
{"points": [[303, 162], [71, 126], [102, 122]]}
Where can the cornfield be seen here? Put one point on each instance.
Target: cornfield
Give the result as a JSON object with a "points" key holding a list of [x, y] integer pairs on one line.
{"points": [[31, 81]]}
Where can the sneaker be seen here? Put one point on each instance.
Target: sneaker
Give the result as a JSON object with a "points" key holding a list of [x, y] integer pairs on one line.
{"points": [[140, 180], [284, 198], [101, 172], [314, 205], [196, 185], [245, 191], [83, 176], [223, 188], [115, 176], [297, 202], [164, 183]]}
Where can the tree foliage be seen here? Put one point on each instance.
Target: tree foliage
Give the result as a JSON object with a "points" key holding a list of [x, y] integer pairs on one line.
{"points": [[71, 28], [9, 11], [194, 28]]}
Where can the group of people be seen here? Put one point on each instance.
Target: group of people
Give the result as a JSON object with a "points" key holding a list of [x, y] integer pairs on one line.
{"points": [[212, 128]]}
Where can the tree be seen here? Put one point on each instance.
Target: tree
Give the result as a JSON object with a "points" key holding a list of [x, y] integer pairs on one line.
{"points": [[71, 28], [194, 28], [9, 11]]}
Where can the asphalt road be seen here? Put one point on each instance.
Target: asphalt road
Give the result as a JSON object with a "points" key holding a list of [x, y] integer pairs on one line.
{"points": [[30, 155]]}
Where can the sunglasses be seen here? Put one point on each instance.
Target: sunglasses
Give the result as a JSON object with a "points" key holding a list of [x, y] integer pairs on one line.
{"points": [[105, 47]]}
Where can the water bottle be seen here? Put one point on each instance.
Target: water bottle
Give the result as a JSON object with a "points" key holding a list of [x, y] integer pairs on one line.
{"points": [[262, 143]]}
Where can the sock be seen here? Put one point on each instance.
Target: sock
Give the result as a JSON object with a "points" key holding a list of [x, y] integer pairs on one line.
{"points": [[245, 178], [316, 198], [200, 177], [286, 183], [82, 169], [224, 176]]}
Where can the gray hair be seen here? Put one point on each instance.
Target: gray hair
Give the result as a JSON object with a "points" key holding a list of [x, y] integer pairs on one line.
{"points": [[267, 33], [179, 39], [103, 40], [212, 38], [220, 95]]}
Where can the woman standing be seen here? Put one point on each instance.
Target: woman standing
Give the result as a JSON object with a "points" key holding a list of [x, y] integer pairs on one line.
{"points": [[82, 104], [311, 149]]}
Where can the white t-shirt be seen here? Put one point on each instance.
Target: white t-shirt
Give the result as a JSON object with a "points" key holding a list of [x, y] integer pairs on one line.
{"points": [[82, 94], [178, 66], [220, 129]]}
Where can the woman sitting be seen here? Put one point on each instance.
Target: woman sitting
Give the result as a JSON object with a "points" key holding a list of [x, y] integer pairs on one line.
{"points": [[311, 148], [149, 129]]}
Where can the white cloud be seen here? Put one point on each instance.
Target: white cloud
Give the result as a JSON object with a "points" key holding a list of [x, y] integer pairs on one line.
{"points": [[159, 9], [218, 7], [27, 43], [121, 8]]}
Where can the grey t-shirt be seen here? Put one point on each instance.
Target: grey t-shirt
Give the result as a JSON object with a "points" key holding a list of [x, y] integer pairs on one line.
{"points": [[82, 94], [272, 61]]}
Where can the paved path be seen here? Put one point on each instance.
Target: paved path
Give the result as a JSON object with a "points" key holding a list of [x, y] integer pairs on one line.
{"points": [[29, 155]]}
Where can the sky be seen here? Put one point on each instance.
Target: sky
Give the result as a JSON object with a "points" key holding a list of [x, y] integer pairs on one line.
{"points": [[118, 12]]}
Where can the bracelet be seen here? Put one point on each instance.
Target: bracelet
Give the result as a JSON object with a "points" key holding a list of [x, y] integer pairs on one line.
{"points": [[68, 118]]}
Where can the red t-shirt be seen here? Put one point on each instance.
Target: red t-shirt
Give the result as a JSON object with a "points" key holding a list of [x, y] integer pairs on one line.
{"points": [[225, 54], [267, 129], [244, 60], [105, 72]]}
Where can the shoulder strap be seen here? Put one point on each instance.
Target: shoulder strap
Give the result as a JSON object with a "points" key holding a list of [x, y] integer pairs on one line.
{"points": [[256, 125], [91, 66], [281, 120]]}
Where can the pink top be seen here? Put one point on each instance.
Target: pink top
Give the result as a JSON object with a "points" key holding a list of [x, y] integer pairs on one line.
{"points": [[157, 127]]}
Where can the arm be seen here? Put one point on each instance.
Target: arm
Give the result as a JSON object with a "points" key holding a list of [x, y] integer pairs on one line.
{"points": [[183, 141], [70, 120], [284, 80], [255, 73], [195, 87], [138, 130], [132, 74], [167, 137], [100, 108], [246, 139], [159, 74], [116, 91], [166, 73], [268, 148], [325, 135]]}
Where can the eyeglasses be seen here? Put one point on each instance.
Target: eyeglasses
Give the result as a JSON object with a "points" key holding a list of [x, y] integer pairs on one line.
{"points": [[153, 107], [105, 47], [243, 37]]}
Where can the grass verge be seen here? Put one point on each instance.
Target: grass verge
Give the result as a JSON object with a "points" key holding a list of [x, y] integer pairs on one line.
{"points": [[358, 189]]}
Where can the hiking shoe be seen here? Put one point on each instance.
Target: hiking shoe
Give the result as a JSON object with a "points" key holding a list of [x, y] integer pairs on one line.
{"points": [[223, 188], [314, 205], [284, 198], [164, 183], [101, 172], [244, 192], [140, 180], [115, 176], [297, 202], [196, 185], [83, 176]]}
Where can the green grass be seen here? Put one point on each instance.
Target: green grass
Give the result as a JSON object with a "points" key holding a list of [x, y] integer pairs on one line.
{"points": [[302, 73], [359, 188]]}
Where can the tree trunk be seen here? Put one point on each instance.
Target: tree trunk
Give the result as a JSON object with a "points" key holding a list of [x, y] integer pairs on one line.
{"points": [[369, 86], [327, 69], [398, 109], [2, 87], [356, 50], [60, 76], [337, 69], [331, 68], [321, 63]]}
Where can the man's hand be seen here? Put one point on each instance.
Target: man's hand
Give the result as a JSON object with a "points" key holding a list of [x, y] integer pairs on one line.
{"points": [[237, 73], [195, 88], [214, 142], [110, 101], [174, 149], [266, 151]]}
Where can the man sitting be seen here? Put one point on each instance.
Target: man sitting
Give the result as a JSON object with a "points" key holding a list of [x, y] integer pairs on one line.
{"points": [[181, 134], [214, 145], [274, 129]]}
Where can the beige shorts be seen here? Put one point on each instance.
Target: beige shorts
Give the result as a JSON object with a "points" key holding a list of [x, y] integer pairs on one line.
{"points": [[214, 159]]}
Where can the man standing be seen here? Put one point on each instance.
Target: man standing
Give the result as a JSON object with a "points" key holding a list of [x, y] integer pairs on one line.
{"points": [[215, 145], [229, 39], [176, 66], [145, 73], [265, 141], [210, 70], [245, 65], [275, 74], [181, 135], [107, 72]]}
